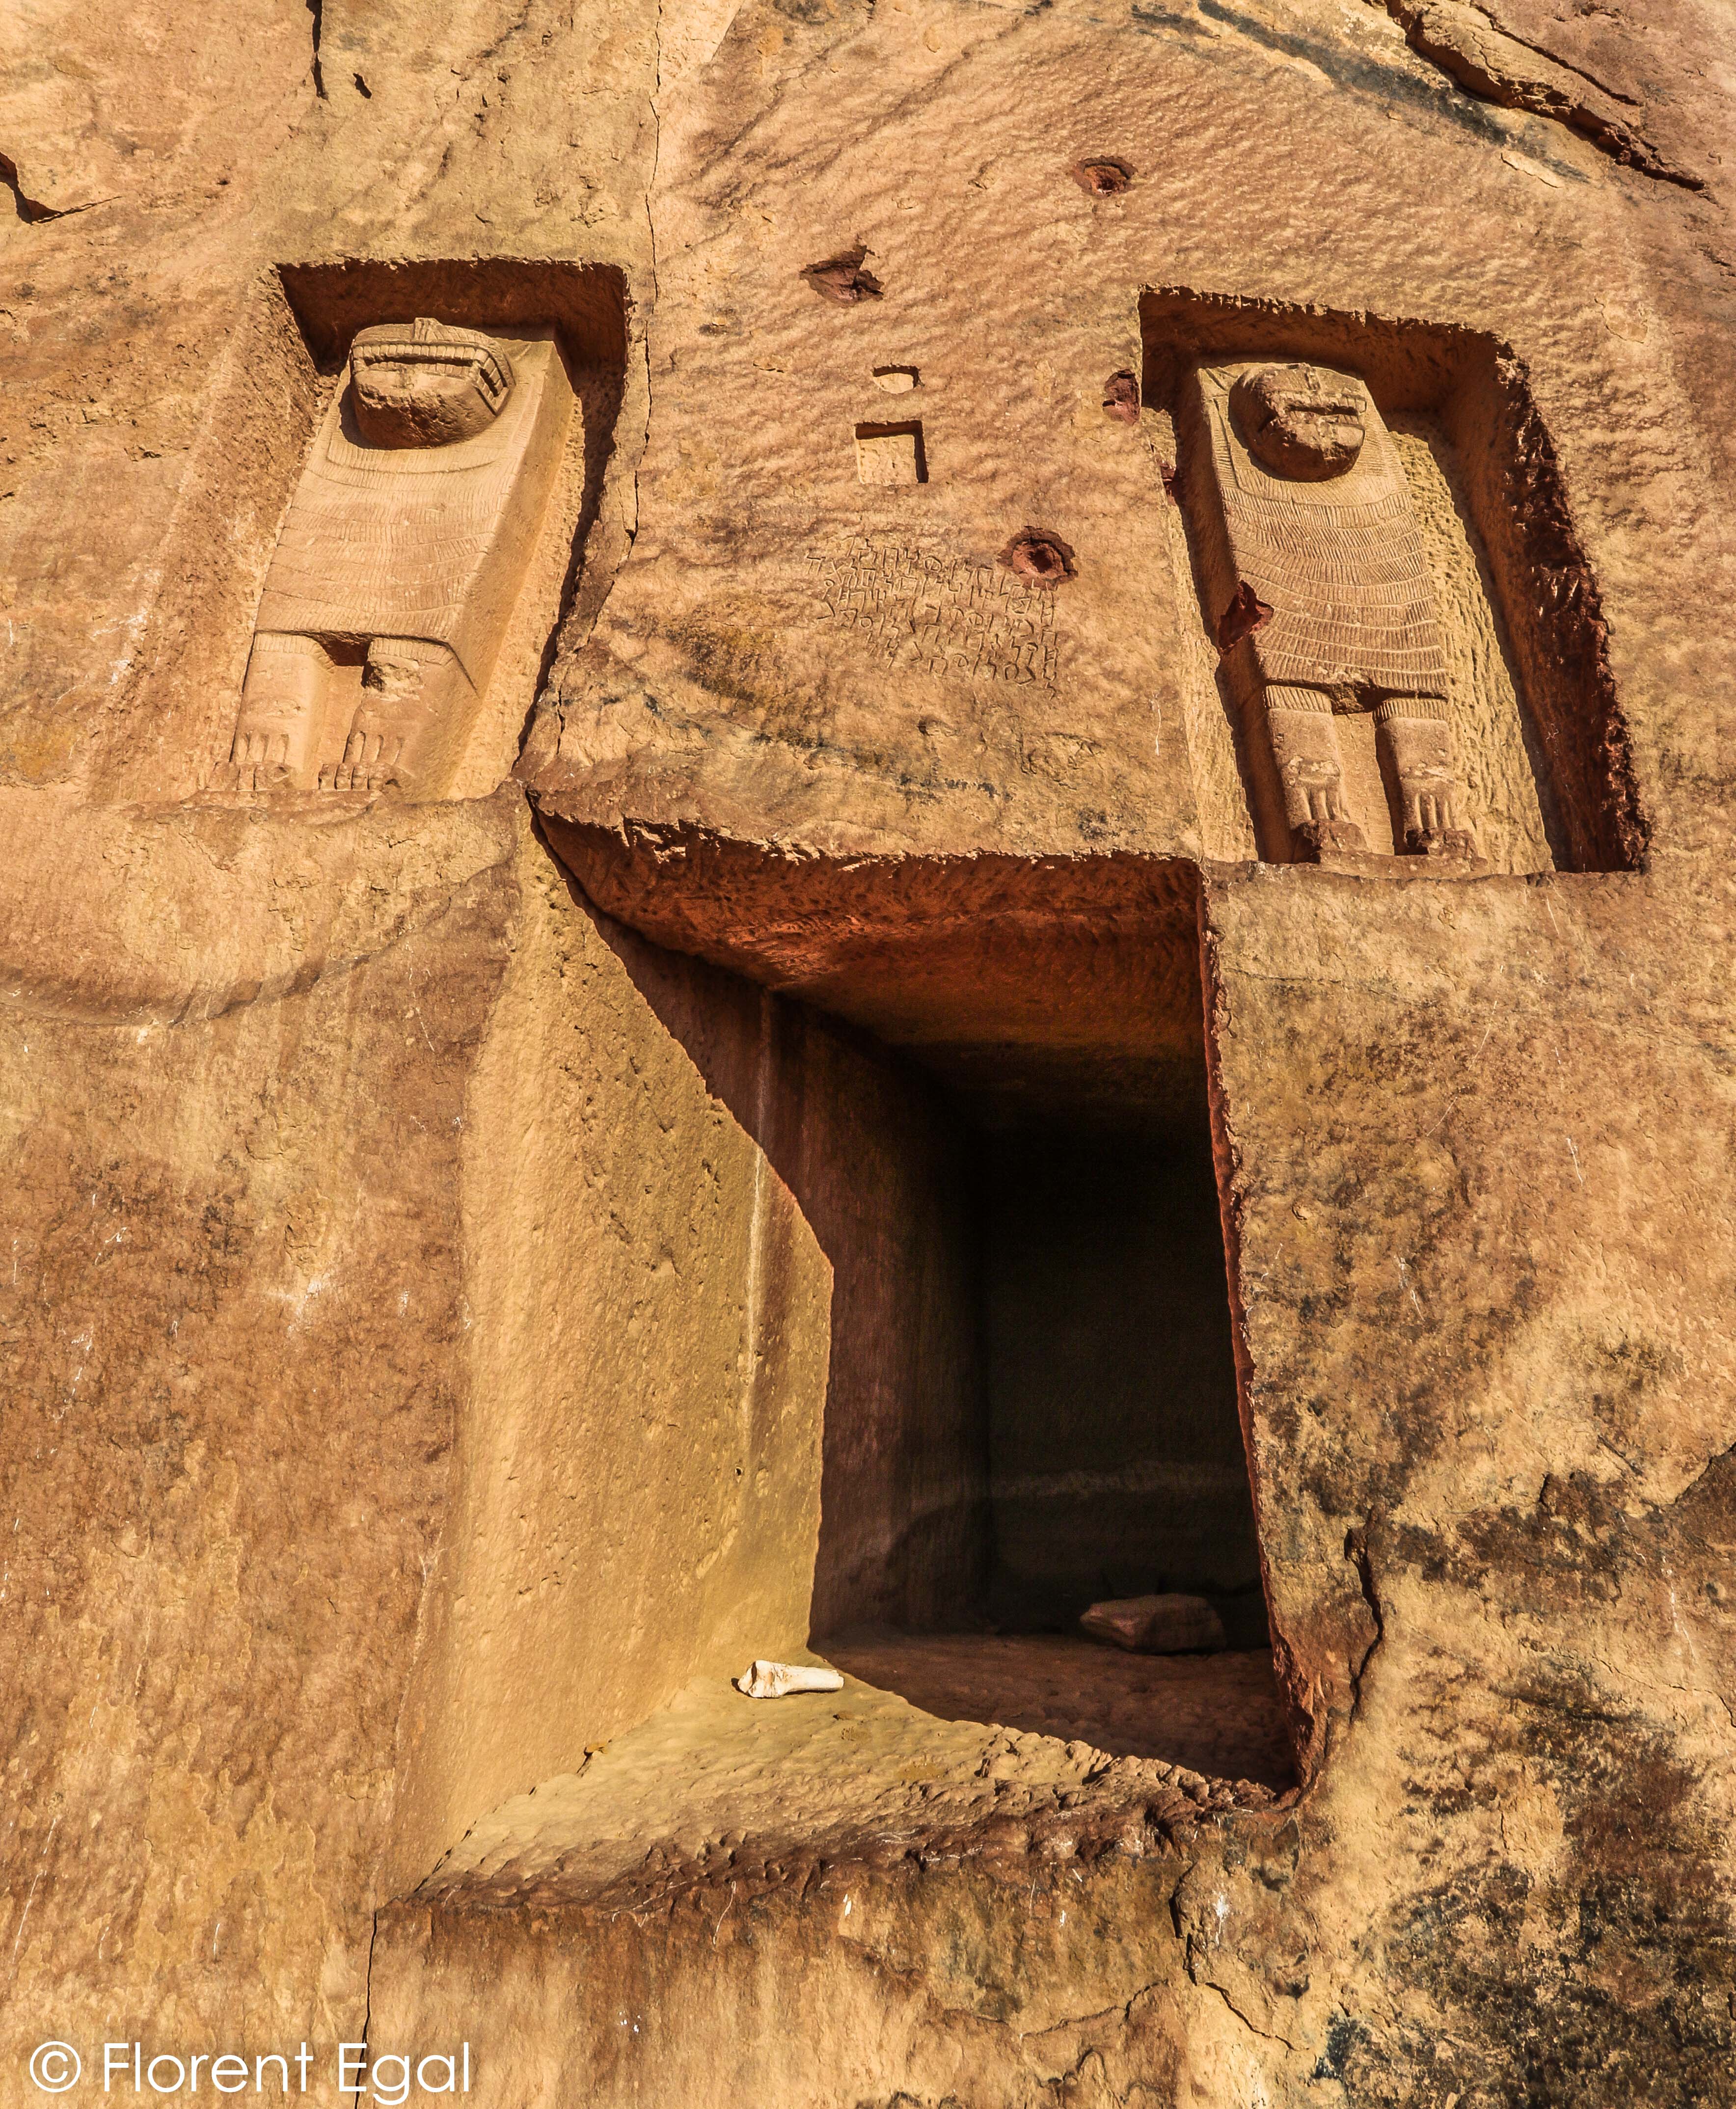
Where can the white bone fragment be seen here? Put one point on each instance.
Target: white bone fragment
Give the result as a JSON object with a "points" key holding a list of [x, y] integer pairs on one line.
{"points": [[773, 1680]]}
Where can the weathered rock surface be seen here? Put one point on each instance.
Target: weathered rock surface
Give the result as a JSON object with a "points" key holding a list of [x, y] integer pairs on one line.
{"points": [[481, 1269]]}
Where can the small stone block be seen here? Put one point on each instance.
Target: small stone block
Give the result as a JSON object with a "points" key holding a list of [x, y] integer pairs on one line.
{"points": [[1155, 1625]]}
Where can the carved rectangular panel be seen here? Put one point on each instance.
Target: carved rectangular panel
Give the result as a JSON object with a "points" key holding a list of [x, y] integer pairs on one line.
{"points": [[1320, 601], [402, 555], [1403, 649], [890, 453]]}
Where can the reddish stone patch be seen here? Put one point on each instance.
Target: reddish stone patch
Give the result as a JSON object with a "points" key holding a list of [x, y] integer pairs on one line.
{"points": [[1121, 397], [1041, 558], [842, 280], [1245, 614]]}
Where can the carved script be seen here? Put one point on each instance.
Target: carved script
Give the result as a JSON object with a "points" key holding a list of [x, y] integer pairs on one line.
{"points": [[929, 612]]}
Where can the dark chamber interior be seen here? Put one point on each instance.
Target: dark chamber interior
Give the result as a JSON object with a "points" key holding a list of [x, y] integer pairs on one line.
{"points": [[1115, 1460], [982, 1083], [1059, 1423]]}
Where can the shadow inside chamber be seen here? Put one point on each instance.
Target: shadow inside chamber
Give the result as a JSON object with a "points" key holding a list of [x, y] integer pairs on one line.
{"points": [[1094, 1302], [982, 1084]]}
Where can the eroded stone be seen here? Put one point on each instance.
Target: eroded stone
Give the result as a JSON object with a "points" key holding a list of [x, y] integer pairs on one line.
{"points": [[777, 1680]]}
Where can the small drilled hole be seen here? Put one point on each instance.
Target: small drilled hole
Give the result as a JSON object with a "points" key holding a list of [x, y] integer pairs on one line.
{"points": [[1104, 177], [1042, 559]]}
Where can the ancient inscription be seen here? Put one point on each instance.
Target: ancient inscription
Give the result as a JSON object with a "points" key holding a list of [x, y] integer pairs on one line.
{"points": [[929, 612]]}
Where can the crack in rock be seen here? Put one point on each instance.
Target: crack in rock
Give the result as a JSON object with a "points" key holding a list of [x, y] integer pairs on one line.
{"points": [[1488, 61]]}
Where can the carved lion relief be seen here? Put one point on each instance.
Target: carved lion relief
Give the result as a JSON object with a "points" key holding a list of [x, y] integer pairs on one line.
{"points": [[1321, 603], [400, 560]]}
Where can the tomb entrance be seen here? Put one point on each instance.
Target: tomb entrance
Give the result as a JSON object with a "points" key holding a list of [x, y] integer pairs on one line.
{"points": [[1091, 1321], [1000, 1135]]}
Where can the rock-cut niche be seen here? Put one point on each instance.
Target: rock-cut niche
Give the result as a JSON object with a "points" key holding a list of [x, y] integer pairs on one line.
{"points": [[983, 1082], [1409, 659], [435, 533], [1047, 1417], [1064, 1430]]}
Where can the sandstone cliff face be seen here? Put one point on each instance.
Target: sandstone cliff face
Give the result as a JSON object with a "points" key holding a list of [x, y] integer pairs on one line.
{"points": [[482, 1269]]}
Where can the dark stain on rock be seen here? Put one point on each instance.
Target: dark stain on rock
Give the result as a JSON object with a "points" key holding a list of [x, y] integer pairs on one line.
{"points": [[1038, 558], [1610, 1980], [842, 280], [1342, 2037], [1103, 176]]}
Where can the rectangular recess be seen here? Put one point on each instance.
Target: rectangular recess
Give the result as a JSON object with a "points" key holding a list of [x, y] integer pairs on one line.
{"points": [[884, 452], [586, 303]]}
